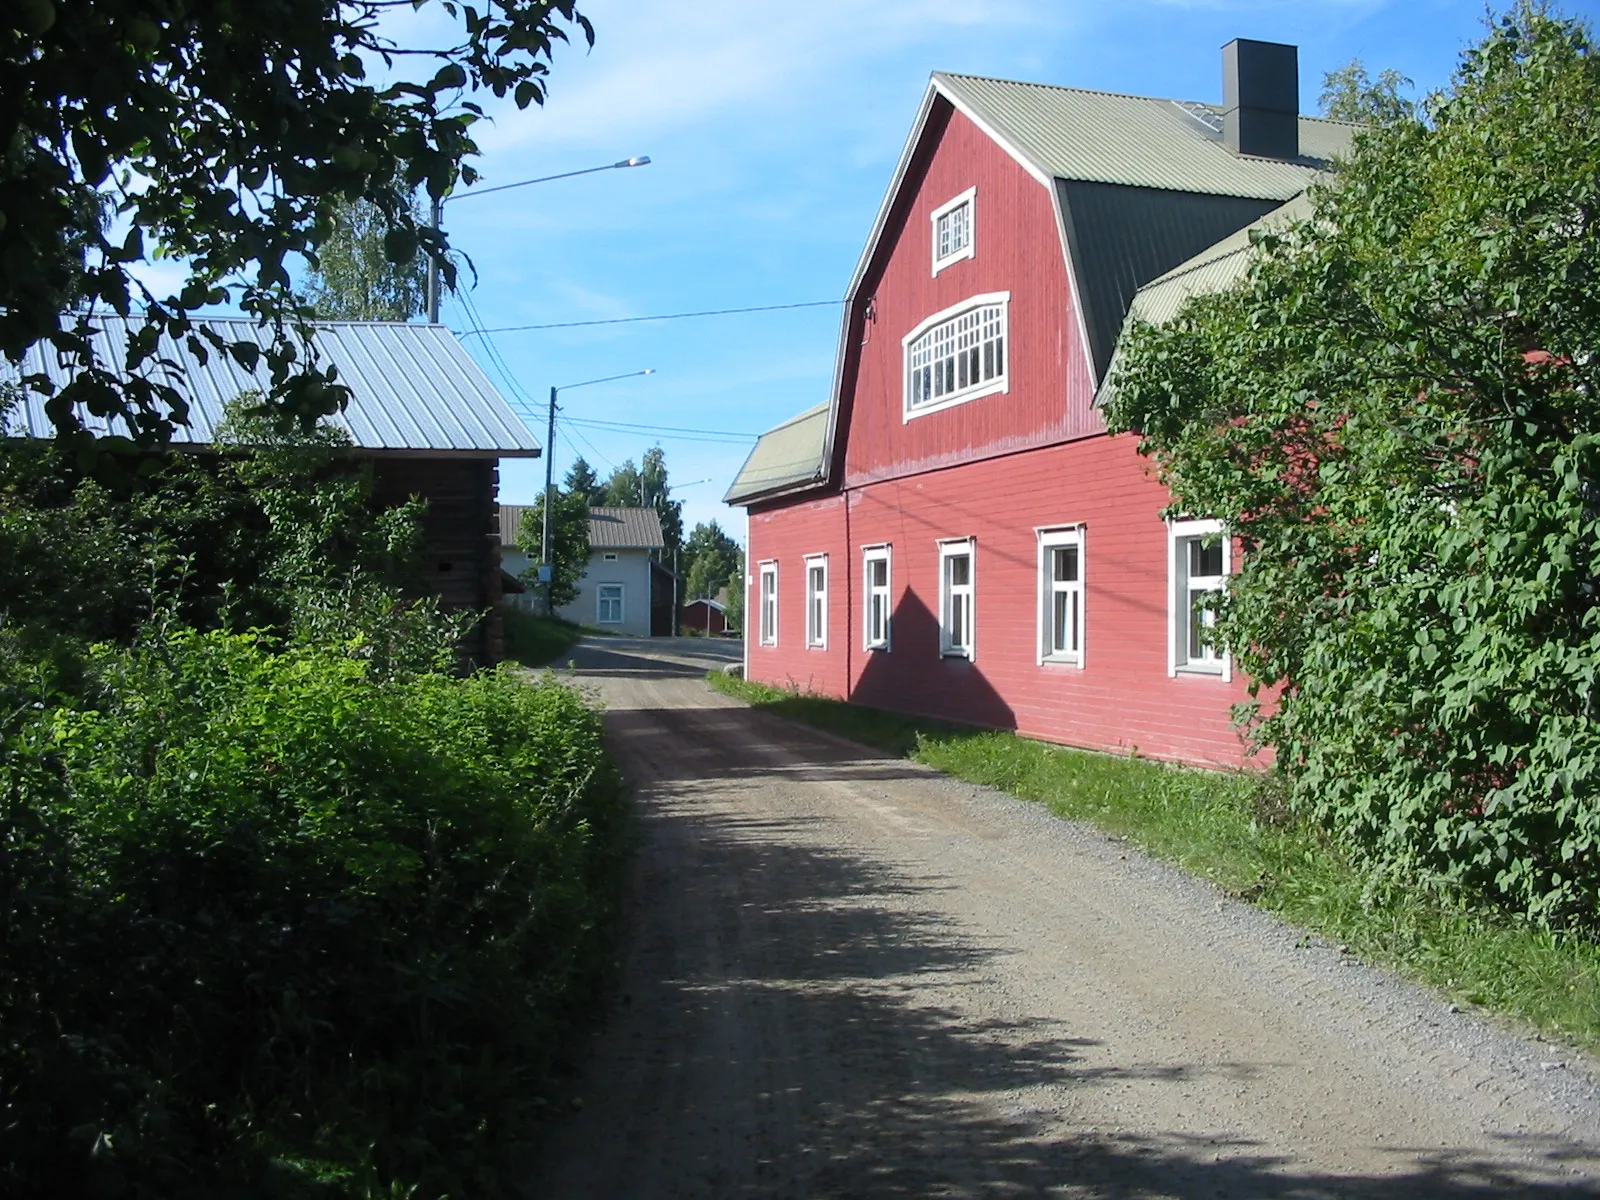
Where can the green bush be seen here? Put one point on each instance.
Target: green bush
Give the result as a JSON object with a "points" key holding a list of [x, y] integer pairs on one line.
{"points": [[1395, 415], [277, 925]]}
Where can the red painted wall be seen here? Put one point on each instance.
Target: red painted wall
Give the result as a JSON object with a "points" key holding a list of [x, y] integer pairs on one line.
{"points": [[1018, 250], [1120, 700]]}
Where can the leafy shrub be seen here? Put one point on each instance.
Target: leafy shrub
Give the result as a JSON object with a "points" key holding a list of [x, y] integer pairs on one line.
{"points": [[272, 924], [276, 531], [1395, 415]]}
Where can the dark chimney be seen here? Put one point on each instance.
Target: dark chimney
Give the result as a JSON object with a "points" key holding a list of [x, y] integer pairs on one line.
{"points": [[1261, 98]]}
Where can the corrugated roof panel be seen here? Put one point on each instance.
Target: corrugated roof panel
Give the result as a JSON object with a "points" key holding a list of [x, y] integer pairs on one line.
{"points": [[412, 387], [625, 529], [1138, 141], [785, 457]]}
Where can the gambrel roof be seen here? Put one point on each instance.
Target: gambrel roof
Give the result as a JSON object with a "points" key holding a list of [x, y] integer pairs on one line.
{"points": [[1136, 141], [1142, 186]]}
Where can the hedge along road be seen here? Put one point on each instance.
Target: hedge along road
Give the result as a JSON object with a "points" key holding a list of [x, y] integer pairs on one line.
{"points": [[850, 976]]}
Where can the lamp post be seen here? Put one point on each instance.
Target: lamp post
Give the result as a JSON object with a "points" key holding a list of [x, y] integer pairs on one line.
{"points": [[547, 568], [436, 215]]}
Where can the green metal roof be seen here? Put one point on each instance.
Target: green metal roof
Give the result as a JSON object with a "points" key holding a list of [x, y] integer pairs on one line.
{"points": [[1138, 141], [1214, 269], [784, 459]]}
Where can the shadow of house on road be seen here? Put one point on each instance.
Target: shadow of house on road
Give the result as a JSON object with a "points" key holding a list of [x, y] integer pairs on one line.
{"points": [[790, 1028]]}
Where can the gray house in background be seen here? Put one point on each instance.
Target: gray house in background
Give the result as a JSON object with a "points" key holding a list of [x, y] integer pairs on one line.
{"points": [[620, 586]]}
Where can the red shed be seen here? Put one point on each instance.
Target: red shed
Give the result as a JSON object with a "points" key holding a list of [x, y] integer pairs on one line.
{"points": [[954, 534]]}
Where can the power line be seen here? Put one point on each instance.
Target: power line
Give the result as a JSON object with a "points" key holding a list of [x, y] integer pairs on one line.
{"points": [[682, 435], [710, 312]]}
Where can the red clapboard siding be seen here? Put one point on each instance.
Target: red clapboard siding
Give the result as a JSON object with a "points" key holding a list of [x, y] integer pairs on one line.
{"points": [[1018, 250], [1120, 700]]}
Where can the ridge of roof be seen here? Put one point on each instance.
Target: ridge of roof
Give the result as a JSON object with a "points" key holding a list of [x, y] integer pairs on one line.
{"points": [[1066, 87]]}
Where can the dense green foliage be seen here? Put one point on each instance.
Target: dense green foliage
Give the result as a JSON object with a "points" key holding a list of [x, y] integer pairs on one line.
{"points": [[1350, 94], [646, 487], [1395, 416], [569, 546], [273, 925], [224, 135], [279, 534], [1234, 831], [581, 478], [709, 558], [354, 280], [286, 909], [736, 588]]}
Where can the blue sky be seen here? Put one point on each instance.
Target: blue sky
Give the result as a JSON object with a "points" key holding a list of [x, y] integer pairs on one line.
{"points": [[773, 129]]}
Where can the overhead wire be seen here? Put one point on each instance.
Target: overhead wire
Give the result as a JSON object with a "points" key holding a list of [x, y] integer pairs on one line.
{"points": [[709, 312]]}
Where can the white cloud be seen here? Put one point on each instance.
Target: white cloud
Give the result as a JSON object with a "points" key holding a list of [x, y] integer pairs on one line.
{"points": [[661, 66]]}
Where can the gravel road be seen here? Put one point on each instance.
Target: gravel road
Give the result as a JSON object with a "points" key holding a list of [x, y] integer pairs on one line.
{"points": [[849, 976]]}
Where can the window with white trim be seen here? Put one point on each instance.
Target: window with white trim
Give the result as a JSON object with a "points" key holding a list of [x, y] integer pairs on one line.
{"points": [[817, 601], [1061, 595], [875, 576], [957, 355], [956, 570], [769, 604], [1198, 566], [608, 604], [952, 230]]}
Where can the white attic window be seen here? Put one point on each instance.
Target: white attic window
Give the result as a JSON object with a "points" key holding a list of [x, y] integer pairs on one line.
{"points": [[953, 231]]}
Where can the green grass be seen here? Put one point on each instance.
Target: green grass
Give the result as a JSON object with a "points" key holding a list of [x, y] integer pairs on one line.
{"points": [[538, 641], [1233, 830]]}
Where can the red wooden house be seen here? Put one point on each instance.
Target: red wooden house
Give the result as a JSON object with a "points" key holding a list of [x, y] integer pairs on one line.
{"points": [[953, 533]]}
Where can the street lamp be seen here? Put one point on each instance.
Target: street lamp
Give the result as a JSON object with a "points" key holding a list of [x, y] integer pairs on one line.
{"points": [[436, 217], [547, 568]]}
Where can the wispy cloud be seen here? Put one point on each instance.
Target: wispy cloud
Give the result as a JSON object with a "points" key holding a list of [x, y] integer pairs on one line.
{"points": [[663, 66]]}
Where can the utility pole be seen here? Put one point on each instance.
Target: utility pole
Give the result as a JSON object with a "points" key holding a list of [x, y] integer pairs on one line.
{"points": [[436, 219], [546, 567]]}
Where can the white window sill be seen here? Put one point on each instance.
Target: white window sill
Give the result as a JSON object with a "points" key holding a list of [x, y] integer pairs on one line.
{"points": [[877, 648], [966, 252], [1060, 660], [1211, 670], [991, 388]]}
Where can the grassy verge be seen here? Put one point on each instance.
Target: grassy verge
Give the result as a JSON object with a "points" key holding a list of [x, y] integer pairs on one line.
{"points": [[1230, 829], [538, 641]]}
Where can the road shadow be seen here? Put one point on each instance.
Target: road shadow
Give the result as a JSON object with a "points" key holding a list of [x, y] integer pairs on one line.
{"points": [[782, 1032]]}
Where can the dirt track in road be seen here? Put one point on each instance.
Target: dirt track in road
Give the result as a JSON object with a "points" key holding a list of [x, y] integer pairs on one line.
{"points": [[848, 976]]}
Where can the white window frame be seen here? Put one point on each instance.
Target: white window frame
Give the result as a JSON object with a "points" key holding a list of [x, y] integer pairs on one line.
{"points": [[816, 602], [950, 548], [869, 555], [609, 556], [600, 599], [1052, 538], [1179, 536], [769, 628], [1001, 382], [969, 249]]}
